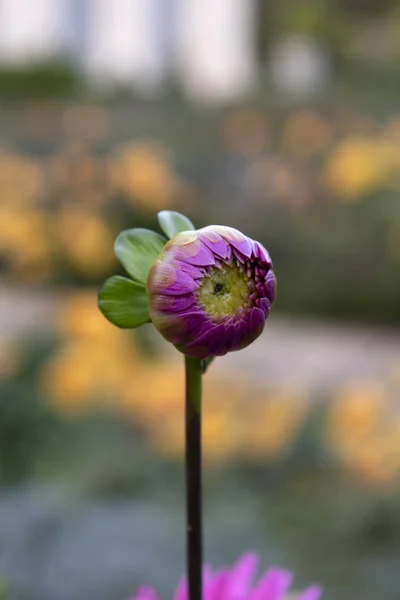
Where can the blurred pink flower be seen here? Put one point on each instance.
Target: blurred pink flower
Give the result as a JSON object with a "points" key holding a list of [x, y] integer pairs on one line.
{"points": [[237, 584]]}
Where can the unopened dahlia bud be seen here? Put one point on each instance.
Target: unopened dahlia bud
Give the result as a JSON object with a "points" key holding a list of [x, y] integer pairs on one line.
{"points": [[210, 291]]}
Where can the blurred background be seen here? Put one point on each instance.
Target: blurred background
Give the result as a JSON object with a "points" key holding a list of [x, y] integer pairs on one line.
{"points": [[281, 119]]}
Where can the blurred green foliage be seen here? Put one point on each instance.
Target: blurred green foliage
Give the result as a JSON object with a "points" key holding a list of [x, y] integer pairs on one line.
{"points": [[43, 80], [26, 427]]}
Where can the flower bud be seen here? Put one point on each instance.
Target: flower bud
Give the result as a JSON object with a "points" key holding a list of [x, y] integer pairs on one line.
{"points": [[210, 291]]}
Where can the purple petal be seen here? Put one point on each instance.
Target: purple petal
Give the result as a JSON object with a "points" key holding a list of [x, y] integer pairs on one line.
{"points": [[260, 288], [183, 285], [207, 575], [229, 254], [244, 246], [241, 332], [314, 592], [194, 253], [264, 304], [183, 303], [261, 253], [181, 592], [191, 270], [242, 258], [216, 588], [165, 278], [256, 318], [173, 327], [211, 340], [256, 322], [146, 593], [270, 285], [274, 585], [172, 304], [229, 341], [161, 275], [242, 576], [194, 324], [215, 243], [197, 323]]}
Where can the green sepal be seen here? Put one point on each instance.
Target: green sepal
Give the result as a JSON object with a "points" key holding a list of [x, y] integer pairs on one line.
{"points": [[172, 222], [124, 302], [205, 363], [137, 249]]}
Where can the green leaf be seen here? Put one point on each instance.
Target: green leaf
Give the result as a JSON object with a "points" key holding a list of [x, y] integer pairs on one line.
{"points": [[137, 249], [124, 302], [172, 222]]}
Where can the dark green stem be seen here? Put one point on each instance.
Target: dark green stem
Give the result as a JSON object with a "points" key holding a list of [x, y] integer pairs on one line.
{"points": [[194, 534]]}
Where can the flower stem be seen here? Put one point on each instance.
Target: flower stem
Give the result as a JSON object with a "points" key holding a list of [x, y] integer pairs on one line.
{"points": [[194, 550]]}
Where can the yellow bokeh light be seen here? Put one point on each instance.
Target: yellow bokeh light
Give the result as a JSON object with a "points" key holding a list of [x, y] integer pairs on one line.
{"points": [[306, 133], [21, 179], [358, 165], [363, 428], [143, 172], [86, 239], [24, 241]]}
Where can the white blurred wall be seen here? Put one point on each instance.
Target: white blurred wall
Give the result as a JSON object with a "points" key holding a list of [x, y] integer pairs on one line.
{"points": [[123, 44], [216, 48], [208, 45], [32, 30]]}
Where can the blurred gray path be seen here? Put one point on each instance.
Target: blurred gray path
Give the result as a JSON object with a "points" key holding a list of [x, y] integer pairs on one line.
{"points": [[320, 355], [56, 547], [315, 354]]}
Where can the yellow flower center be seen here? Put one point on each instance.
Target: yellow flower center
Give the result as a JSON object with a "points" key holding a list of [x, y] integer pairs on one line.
{"points": [[224, 291]]}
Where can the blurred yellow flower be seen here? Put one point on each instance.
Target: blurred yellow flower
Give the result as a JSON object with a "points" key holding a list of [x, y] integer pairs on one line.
{"points": [[274, 425], [231, 425], [21, 179], [84, 372], [356, 411], [377, 461], [362, 428], [24, 241], [155, 393], [143, 172], [99, 362], [358, 165], [96, 361], [86, 239], [80, 318]]}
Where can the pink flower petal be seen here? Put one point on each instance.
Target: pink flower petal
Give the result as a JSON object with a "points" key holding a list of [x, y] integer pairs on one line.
{"points": [[215, 590], [146, 593], [314, 592], [242, 577], [274, 585], [181, 591]]}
